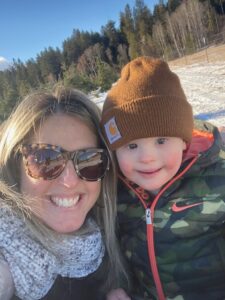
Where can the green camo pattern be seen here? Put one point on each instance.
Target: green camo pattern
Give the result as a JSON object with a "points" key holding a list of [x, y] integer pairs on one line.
{"points": [[189, 244]]}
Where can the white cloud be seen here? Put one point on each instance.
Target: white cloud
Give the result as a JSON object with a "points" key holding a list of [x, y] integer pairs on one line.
{"points": [[4, 64]]}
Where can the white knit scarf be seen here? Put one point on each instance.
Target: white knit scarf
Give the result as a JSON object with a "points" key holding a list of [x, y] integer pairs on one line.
{"points": [[34, 269]]}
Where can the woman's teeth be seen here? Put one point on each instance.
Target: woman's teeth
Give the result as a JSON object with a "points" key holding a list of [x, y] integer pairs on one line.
{"points": [[65, 202]]}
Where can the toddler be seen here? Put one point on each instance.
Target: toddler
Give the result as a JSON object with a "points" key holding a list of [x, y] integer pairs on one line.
{"points": [[171, 208]]}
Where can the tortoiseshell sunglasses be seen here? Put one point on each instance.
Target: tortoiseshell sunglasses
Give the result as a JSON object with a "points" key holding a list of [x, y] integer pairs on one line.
{"points": [[44, 161]]}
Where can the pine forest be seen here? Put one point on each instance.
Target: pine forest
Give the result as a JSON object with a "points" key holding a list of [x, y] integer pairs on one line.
{"points": [[93, 60]]}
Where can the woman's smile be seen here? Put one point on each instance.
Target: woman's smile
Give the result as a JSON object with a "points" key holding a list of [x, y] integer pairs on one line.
{"points": [[63, 202]]}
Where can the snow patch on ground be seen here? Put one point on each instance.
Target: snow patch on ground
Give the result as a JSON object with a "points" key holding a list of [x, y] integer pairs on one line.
{"points": [[204, 86]]}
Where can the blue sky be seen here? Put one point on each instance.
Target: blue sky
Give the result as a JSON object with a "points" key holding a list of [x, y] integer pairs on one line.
{"points": [[29, 26]]}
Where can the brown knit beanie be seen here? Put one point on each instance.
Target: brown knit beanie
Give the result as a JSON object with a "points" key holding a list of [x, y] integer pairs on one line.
{"points": [[147, 101]]}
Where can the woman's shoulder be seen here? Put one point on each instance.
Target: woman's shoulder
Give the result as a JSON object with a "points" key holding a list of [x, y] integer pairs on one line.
{"points": [[6, 281]]}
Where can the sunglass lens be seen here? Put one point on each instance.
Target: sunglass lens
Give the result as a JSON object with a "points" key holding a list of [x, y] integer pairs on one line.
{"points": [[45, 163], [92, 164]]}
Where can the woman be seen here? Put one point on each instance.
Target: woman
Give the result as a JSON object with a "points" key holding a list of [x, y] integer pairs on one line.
{"points": [[57, 205]]}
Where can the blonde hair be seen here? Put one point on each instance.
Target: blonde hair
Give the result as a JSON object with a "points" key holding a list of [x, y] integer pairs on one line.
{"points": [[19, 128]]}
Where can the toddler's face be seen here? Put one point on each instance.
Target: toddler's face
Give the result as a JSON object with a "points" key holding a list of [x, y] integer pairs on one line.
{"points": [[151, 162]]}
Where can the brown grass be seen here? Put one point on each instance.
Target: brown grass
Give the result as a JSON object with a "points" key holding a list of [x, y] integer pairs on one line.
{"points": [[211, 54]]}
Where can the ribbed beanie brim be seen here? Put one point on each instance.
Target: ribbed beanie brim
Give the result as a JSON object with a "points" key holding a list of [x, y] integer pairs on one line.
{"points": [[147, 101]]}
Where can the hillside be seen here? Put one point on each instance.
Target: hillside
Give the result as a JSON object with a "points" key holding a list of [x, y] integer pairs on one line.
{"points": [[203, 83], [203, 78], [215, 53]]}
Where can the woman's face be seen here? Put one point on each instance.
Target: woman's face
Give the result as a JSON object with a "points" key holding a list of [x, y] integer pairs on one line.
{"points": [[62, 203]]}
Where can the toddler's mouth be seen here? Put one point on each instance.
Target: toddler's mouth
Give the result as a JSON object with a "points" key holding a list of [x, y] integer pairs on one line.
{"points": [[150, 172]]}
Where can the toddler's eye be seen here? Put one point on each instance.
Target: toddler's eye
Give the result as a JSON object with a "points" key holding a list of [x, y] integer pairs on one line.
{"points": [[132, 146], [161, 141]]}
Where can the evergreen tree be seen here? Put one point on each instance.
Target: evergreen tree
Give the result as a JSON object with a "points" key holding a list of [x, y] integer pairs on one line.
{"points": [[34, 73], [74, 46], [159, 12], [219, 6], [111, 35], [105, 75], [10, 96], [50, 62], [74, 78], [143, 21], [127, 27], [172, 5]]}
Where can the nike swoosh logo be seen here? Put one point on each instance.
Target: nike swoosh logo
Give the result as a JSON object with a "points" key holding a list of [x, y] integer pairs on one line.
{"points": [[176, 208]]}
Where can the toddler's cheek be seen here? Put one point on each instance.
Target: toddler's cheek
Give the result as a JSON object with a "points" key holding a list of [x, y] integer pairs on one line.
{"points": [[174, 161], [125, 168]]}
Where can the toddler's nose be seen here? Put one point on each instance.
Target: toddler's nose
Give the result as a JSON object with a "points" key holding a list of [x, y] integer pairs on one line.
{"points": [[148, 155]]}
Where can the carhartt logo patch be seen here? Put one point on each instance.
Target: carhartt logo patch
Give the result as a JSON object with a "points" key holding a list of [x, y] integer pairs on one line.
{"points": [[112, 131]]}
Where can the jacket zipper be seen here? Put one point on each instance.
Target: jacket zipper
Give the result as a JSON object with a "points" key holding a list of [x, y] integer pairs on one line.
{"points": [[149, 216]]}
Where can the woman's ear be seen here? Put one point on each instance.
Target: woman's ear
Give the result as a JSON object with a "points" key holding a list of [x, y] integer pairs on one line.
{"points": [[184, 145]]}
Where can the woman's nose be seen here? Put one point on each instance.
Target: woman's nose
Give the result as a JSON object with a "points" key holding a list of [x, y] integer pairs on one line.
{"points": [[69, 177]]}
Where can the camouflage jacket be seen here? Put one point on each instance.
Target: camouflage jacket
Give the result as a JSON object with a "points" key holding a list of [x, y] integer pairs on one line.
{"points": [[175, 241]]}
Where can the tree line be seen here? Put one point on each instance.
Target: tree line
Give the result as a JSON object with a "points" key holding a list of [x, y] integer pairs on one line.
{"points": [[91, 60]]}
